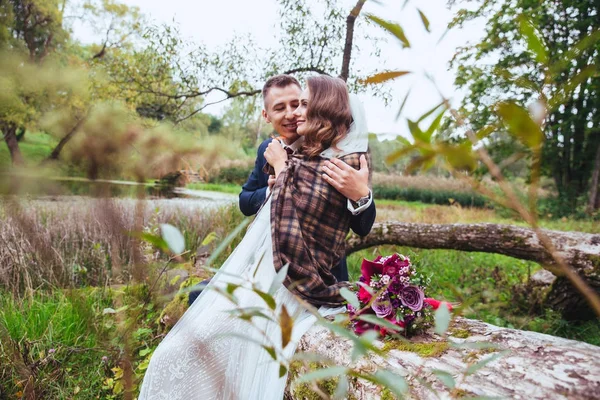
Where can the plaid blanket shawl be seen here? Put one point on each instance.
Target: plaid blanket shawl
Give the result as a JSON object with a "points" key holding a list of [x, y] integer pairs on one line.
{"points": [[309, 224]]}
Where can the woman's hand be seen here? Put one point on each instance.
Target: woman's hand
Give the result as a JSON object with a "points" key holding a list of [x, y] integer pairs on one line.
{"points": [[276, 156]]}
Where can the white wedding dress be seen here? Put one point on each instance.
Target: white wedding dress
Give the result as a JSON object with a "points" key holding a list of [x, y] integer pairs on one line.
{"points": [[210, 354]]}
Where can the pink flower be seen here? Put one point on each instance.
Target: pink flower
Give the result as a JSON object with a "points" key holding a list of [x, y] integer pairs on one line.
{"points": [[363, 295], [435, 304], [361, 327]]}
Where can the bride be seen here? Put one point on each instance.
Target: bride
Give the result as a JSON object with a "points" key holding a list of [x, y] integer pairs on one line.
{"points": [[299, 232]]}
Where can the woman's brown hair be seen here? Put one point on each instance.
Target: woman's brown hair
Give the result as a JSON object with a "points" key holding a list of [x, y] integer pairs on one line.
{"points": [[328, 114]]}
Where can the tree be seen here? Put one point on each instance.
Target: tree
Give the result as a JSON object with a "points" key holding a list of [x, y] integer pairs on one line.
{"points": [[503, 66], [33, 27], [178, 75]]}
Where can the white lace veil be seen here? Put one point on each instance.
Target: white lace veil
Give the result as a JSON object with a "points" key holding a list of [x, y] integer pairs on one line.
{"points": [[357, 139]]}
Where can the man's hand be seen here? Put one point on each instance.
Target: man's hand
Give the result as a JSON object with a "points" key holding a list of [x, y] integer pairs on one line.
{"points": [[276, 156], [352, 183], [271, 182]]}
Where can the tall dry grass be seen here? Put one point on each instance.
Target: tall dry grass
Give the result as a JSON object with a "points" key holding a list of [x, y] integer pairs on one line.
{"points": [[84, 241]]}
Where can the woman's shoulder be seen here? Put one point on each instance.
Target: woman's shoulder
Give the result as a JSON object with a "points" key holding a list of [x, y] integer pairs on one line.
{"points": [[352, 159]]}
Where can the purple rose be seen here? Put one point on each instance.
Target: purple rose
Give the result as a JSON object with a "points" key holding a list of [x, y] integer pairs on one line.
{"points": [[412, 297], [382, 308]]}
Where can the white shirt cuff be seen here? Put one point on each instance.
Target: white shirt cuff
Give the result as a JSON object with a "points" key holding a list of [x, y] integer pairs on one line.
{"points": [[356, 211]]}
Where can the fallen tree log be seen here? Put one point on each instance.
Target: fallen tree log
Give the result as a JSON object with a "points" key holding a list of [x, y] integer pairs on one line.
{"points": [[526, 365], [580, 250]]}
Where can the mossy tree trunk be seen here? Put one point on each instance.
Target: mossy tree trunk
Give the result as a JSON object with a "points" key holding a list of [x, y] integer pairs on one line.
{"points": [[580, 250]]}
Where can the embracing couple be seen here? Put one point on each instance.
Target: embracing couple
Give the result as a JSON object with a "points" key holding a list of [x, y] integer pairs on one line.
{"points": [[308, 188]]}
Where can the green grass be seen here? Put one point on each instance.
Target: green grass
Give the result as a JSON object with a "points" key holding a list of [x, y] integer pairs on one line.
{"points": [[486, 282], [231, 188], [35, 147], [59, 333]]}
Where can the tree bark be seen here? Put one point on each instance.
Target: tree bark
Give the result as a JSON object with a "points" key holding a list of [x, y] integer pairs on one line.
{"points": [[528, 365], [594, 183], [56, 151], [580, 250], [9, 130], [350, 21]]}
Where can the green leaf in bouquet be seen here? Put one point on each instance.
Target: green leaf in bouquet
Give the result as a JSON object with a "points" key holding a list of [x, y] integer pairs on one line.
{"points": [[173, 237], [350, 297], [383, 77], [520, 124], [368, 288], [375, 320], [322, 373], [442, 319], [392, 28], [535, 43]]}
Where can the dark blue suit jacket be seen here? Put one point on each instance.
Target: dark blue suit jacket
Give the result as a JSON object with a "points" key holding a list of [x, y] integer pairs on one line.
{"points": [[254, 193]]}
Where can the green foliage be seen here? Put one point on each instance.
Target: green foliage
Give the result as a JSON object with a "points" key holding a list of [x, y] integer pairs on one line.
{"points": [[237, 175], [429, 196], [556, 78]]}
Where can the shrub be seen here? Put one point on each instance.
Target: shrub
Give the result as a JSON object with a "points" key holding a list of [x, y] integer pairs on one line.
{"points": [[429, 196]]}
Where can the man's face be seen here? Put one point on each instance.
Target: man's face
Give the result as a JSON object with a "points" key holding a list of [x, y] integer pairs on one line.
{"points": [[280, 104]]}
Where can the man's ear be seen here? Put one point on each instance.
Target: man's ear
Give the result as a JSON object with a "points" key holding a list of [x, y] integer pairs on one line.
{"points": [[266, 116]]}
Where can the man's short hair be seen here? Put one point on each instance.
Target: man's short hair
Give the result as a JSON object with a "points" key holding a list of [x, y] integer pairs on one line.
{"points": [[279, 81]]}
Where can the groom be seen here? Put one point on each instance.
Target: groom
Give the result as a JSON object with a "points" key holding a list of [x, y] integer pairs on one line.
{"points": [[281, 95]]}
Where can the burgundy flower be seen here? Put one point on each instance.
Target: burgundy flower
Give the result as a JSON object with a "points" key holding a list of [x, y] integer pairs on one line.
{"points": [[412, 297], [382, 308], [361, 327], [370, 268], [396, 286], [396, 302]]}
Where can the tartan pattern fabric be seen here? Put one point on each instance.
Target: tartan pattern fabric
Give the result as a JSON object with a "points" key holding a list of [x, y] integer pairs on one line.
{"points": [[310, 221]]}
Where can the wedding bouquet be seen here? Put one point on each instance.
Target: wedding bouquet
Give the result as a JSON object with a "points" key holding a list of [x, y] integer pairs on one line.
{"points": [[391, 288]]}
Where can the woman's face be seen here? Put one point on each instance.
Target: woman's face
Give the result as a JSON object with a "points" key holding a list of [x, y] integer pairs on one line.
{"points": [[300, 112]]}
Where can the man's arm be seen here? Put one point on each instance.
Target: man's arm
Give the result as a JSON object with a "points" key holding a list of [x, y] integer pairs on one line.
{"points": [[353, 184], [254, 191], [362, 223]]}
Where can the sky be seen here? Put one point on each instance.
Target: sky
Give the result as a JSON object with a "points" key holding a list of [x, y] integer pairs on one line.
{"points": [[214, 23]]}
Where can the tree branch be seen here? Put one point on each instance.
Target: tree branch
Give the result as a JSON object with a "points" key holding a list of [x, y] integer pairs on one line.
{"points": [[579, 250], [349, 38]]}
